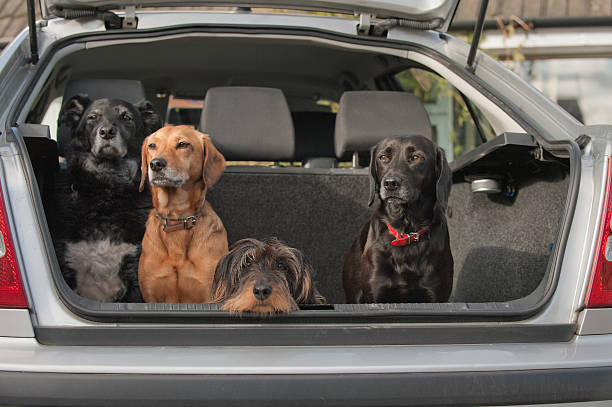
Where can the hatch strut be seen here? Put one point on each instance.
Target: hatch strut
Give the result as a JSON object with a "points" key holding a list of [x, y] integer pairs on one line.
{"points": [[32, 26], [111, 20], [476, 36]]}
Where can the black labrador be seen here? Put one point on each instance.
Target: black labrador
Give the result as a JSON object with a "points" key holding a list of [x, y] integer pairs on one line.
{"points": [[403, 253], [101, 214]]}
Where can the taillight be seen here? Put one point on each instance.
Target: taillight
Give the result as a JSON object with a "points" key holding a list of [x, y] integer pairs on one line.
{"points": [[600, 289], [12, 293]]}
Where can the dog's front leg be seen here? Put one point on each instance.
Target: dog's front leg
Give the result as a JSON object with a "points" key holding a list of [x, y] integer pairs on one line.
{"points": [[195, 282], [367, 273], [158, 279]]}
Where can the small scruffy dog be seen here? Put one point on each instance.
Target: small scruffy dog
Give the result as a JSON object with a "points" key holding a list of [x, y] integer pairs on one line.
{"points": [[264, 278]]}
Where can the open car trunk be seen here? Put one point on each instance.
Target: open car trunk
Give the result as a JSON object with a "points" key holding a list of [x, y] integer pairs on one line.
{"points": [[509, 200]]}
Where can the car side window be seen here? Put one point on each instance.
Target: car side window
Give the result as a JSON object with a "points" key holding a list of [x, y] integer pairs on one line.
{"points": [[458, 125]]}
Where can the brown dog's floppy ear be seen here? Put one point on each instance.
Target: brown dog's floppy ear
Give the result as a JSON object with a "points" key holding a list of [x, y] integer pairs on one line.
{"points": [[144, 164], [373, 181], [444, 180], [214, 162]]}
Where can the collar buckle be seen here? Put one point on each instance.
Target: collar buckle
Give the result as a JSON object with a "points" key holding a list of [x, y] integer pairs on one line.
{"points": [[405, 239], [189, 222]]}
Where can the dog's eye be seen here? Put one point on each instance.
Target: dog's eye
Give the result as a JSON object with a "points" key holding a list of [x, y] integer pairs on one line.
{"points": [[182, 144], [152, 146], [384, 158], [280, 265], [126, 117], [247, 262], [93, 116], [416, 157]]}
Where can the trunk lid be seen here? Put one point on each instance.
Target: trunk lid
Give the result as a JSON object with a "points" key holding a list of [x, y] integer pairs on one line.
{"points": [[437, 14]]}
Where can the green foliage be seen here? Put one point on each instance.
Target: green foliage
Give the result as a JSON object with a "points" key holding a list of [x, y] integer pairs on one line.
{"points": [[434, 90]]}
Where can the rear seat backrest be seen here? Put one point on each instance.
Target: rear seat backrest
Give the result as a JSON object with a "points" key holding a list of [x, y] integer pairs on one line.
{"points": [[129, 90], [249, 123], [316, 211], [365, 117]]}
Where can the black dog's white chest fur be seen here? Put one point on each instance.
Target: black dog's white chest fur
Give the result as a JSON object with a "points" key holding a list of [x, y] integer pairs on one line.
{"points": [[98, 264]]}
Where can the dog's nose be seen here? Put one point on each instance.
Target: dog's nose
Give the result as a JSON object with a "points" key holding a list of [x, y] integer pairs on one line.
{"points": [[392, 183], [107, 132], [158, 164], [262, 291]]}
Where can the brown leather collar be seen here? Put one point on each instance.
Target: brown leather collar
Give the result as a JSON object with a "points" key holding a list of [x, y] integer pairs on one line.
{"points": [[174, 224]]}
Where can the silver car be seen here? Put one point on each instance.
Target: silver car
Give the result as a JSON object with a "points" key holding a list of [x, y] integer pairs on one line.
{"points": [[528, 321]]}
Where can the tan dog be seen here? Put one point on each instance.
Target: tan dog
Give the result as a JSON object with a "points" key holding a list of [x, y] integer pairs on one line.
{"points": [[184, 238]]}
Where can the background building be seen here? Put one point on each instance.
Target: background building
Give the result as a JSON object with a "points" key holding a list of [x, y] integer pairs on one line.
{"points": [[13, 18]]}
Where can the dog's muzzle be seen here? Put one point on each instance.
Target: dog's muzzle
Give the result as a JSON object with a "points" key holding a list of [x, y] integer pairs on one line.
{"points": [[109, 143], [396, 191], [160, 175]]}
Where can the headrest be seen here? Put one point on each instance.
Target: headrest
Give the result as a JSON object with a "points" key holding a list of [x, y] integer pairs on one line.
{"points": [[249, 123], [129, 90], [365, 117]]}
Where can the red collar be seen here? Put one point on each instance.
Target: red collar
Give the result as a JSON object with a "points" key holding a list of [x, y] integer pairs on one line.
{"points": [[404, 239]]}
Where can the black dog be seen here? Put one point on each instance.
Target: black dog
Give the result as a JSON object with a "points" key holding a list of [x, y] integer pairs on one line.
{"points": [[403, 253], [102, 214], [264, 278]]}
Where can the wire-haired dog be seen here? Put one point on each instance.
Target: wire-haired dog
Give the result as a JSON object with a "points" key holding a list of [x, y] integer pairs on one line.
{"points": [[100, 226], [264, 278]]}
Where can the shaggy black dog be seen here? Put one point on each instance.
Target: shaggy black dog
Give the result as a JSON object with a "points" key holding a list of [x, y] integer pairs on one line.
{"points": [[264, 278], [102, 214], [403, 253]]}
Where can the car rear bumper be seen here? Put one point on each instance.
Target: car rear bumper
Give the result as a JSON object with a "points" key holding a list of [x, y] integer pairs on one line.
{"points": [[469, 374], [407, 389]]}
